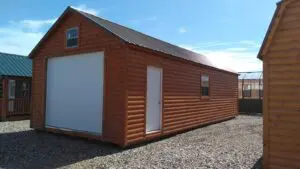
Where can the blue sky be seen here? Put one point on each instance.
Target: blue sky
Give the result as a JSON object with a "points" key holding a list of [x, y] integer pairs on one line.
{"points": [[229, 32]]}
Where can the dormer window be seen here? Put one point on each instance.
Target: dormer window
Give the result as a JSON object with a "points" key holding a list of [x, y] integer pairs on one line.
{"points": [[72, 38]]}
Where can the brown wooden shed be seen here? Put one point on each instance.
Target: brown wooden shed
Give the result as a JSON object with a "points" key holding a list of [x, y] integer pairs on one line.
{"points": [[280, 53], [15, 82], [97, 79]]}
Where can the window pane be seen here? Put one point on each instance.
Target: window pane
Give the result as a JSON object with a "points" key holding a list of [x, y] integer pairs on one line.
{"points": [[205, 91], [72, 43], [204, 81], [204, 85], [72, 33], [72, 37], [247, 93]]}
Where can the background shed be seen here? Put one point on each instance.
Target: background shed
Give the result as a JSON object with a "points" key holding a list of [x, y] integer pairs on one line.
{"points": [[250, 92], [15, 86]]}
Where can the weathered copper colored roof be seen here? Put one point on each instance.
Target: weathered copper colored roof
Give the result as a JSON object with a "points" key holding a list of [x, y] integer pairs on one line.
{"points": [[15, 65]]}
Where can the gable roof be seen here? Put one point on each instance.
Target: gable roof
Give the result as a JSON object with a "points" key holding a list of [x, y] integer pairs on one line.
{"points": [[142, 40], [281, 5], [15, 65]]}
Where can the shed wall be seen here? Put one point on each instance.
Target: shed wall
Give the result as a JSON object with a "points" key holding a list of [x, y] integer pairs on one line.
{"points": [[282, 93], [183, 106], [125, 85], [91, 39]]}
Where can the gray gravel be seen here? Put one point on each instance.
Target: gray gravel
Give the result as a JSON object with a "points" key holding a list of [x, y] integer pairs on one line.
{"points": [[232, 144]]}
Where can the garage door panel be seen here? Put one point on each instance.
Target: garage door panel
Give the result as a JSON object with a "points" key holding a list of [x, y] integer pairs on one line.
{"points": [[75, 92]]}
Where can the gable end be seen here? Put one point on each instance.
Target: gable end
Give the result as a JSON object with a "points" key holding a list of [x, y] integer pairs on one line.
{"points": [[273, 27]]}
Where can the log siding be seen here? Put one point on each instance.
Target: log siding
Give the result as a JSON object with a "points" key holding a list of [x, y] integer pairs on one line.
{"points": [[125, 85], [183, 105], [281, 63]]}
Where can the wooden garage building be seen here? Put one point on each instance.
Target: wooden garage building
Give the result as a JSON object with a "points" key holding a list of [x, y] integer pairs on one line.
{"points": [[15, 82], [101, 80], [280, 53]]}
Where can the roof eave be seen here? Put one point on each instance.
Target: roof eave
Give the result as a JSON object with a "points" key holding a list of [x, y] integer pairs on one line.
{"points": [[272, 26], [260, 56]]}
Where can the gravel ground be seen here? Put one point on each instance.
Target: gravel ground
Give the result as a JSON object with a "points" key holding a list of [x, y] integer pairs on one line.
{"points": [[232, 144]]}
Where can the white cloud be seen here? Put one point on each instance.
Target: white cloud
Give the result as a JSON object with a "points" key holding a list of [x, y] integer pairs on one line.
{"points": [[237, 49], [18, 41], [238, 61], [20, 37], [84, 8], [182, 30], [37, 24], [239, 56], [32, 25], [251, 43]]}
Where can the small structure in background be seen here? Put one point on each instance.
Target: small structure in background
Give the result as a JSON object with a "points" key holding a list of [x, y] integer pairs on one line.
{"points": [[250, 92], [15, 86], [251, 85]]}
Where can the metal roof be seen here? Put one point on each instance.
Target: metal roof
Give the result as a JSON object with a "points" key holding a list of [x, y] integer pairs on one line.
{"points": [[15, 65], [139, 39], [251, 75]]}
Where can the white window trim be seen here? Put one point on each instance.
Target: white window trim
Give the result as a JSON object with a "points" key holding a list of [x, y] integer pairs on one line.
{"points": [[11, 86], [208, 77], [77, 29]]}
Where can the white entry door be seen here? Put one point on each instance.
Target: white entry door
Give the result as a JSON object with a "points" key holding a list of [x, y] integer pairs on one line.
{"points": [[154, 97], [74, 99]]}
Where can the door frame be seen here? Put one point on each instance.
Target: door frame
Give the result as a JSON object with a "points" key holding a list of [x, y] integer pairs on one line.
{"points": [[161, 100], [10, 82], [11, 98]]}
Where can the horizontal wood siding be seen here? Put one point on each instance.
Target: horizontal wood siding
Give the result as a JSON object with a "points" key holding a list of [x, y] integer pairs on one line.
{"points": [[282, 124], [91, 39], [2, 116], [4, 106], [183, 107]]}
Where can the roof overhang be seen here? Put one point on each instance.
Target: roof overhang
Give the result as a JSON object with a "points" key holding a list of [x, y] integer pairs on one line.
{"points": [[273, 27]]}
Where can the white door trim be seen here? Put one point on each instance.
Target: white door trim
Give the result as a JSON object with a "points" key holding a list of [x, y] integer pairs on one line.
{"points": [[11, 89], [160, 101]]}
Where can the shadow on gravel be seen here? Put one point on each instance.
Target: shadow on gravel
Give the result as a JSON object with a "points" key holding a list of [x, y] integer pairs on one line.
{"points": [[33, 149], [258, 164]]}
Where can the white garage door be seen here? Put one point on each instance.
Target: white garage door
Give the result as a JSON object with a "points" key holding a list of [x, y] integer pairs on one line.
{"points": [[74, 99]]}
